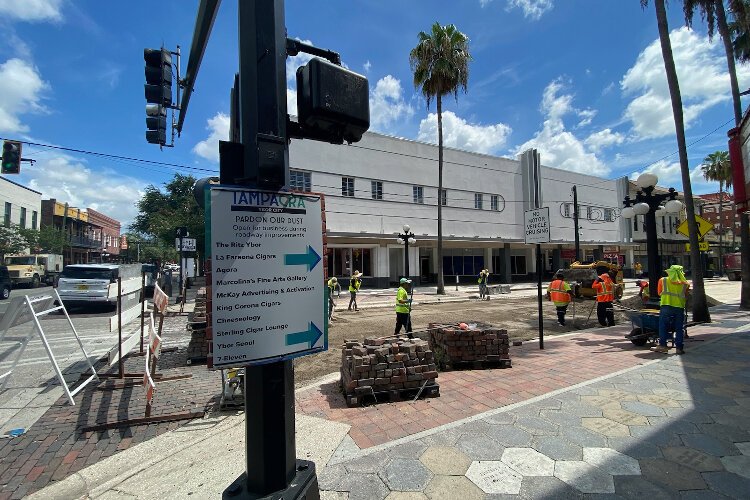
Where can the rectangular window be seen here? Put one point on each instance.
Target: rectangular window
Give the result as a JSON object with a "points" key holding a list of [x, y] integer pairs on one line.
{"points": [[608, 215], [635, 223], [590, 213], [566, 210], [494, 205], [299, 180], [670, 224], [6, 221], [418, 194], [518, 264], [33, 219], [663, 224], [444, 197], [376, 188], [347, 186], [22, 223], [478, 201]]}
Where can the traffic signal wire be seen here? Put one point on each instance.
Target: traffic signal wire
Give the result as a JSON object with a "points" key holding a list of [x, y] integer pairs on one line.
{"points": [[116, 157]]}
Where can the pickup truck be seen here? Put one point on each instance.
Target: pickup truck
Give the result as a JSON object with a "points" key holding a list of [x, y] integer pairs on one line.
{"points": [[733, 266], [34, 269]]}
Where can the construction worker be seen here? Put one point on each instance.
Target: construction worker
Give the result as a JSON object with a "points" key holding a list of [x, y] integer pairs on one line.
{"points": [[673, 290], [484, 275], [638, 268], [354, 284], [605, 295], [331, 304], [644, 293], [560, 293], [403, 307]]}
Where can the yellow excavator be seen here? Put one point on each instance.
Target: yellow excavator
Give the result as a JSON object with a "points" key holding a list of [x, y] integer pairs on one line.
{"points": [[581, 277]]}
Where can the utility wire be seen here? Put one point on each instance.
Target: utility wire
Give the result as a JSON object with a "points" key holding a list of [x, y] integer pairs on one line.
{"points": [[115, 157]]}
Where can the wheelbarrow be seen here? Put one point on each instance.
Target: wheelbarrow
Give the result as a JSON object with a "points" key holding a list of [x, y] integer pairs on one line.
{"points": [[646, 326]]}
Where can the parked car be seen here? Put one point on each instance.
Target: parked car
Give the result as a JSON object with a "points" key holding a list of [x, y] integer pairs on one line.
{"points": [[87, 284], [6, 285]]}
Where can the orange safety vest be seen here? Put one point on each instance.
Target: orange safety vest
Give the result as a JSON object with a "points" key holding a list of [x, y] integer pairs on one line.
{"points": [[605, 292], [557, 292]]}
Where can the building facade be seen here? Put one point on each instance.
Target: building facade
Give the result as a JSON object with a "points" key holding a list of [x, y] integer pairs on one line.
{"points": [[22, 206], [79, 243], [106, 231], [375, 187]]}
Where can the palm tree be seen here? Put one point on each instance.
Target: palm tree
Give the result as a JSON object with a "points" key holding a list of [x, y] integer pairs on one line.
{"points": [[717, 167], [440, 63], [700, 305], [713, 12]]}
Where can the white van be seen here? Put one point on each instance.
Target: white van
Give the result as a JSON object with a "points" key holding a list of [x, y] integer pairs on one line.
{"points": [[88, 283]]}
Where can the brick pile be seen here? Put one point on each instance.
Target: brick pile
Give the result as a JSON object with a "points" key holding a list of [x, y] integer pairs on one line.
{"points": [[388, 367], [197, 321], [483, 345]]}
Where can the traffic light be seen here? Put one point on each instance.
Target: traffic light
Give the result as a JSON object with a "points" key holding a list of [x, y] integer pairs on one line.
{"points": [[158, 92], [11, 157], [156, 123], [332, 101]]}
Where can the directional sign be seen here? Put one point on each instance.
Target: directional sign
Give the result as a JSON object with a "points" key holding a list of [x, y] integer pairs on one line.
{"points": [[536, 225], [188, 244], [704, 227], [702, 246], [267, 286]]}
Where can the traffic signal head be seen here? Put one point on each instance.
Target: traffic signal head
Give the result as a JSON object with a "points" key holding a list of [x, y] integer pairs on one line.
{"points": [[333, 100], [11, 157], [156, 124], [158, 88]]}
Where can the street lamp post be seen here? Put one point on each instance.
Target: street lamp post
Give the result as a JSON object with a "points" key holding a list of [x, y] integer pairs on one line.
{"points": [[649, 204], [405, 239]]}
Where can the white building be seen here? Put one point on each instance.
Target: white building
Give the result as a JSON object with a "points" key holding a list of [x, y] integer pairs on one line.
{"points": [[22, 206], [374, 187]]}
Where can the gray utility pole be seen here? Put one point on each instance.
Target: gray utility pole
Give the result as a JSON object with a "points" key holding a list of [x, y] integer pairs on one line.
{"points": [[575, 224], [270, 453]]}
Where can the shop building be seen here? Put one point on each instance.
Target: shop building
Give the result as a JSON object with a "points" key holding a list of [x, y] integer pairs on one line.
{"points": [[375, 187], [22, 206], [106, 232]]}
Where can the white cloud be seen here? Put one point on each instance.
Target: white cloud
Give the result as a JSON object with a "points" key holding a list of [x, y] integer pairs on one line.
{"points": [[387, 104], [602, 139], [367, 65], [557, 146], [219, 131], [586, 116], [533, 9], [32, 10], [21, 90], [460, 134], [70, 180], [670, 175], [703, 78], [484, 3], [291, 102]]}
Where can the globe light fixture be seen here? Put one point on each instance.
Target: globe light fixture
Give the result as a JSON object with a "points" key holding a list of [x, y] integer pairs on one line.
{"points": [[628, 212], [406, 239], [673, 206], [641, 208], [660, 212], [407, 228], [646, 180]]}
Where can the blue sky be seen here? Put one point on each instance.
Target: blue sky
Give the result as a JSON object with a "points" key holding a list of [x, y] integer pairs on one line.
{"points": [[580, 80]]}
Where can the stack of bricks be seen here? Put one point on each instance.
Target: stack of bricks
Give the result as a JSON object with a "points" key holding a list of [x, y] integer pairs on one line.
{"points": [[198, 346], [483, 344], [388, 367]]}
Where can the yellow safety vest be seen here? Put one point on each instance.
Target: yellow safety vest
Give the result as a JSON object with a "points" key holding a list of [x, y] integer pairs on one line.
{"points": [[673, 294], [401, 295]]}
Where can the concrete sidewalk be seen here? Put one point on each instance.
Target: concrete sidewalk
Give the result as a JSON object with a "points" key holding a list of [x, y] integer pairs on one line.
{"points": [[590, 415]]}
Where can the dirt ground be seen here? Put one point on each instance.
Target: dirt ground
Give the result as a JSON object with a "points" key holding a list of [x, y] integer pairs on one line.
{"points": [[517, 315]]}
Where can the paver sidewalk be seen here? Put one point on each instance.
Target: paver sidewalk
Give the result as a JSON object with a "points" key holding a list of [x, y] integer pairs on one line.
{"points": [[591, 415]]}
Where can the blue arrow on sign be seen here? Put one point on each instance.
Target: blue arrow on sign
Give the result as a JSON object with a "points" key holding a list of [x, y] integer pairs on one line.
{"points": [[309, 336], [309, 259]]}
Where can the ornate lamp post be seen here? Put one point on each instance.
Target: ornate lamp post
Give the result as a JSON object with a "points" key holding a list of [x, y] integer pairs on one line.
{"points": [[405, 239], [649, 204]]}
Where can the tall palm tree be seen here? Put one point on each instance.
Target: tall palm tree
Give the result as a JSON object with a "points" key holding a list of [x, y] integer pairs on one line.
{"points": [[440, 63], [713, 12], [700, 305], [717, 167]]}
